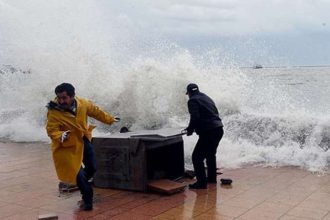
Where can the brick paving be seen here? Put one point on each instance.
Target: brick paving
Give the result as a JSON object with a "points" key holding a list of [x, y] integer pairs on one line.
{"points": [[28, 188]]}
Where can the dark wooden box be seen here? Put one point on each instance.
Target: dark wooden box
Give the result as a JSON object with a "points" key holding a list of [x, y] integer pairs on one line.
{"points": [[130, 160]]}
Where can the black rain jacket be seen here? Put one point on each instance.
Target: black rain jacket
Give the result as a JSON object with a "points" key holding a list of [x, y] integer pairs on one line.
{"points": [[204, 114]]}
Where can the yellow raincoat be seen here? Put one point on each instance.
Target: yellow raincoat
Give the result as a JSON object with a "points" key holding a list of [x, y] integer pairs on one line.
{"points": [[68, 155]]}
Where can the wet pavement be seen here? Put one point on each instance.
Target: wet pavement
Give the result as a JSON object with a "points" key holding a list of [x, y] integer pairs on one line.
{"points": [[29, 188]]}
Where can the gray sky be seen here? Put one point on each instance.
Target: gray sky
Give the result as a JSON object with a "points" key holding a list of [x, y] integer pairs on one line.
{"points": [[275, 32], [269, 32], [228, 17]]}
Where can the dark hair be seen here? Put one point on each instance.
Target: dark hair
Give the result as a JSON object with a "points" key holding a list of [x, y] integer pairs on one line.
{"points": [[65, 87]]}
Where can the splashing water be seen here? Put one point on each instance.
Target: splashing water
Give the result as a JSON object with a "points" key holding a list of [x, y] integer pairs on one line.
{"points": [[271, 116]]}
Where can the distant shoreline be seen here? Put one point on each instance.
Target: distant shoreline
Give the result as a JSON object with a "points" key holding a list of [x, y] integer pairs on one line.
{"points": [[269, 67]]}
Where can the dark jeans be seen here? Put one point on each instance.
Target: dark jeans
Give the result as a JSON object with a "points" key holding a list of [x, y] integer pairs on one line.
{"points": [[206, 148], [87, 172]]}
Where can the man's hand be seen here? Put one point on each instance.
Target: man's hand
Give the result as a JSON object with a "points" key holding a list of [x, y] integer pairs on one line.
{"points": [[184, 131], [65, 136], [116, 119], [188, 132]]}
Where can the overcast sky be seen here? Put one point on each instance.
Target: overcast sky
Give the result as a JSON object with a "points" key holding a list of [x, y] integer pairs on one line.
{"points": [[269, 32], [278, 32]]}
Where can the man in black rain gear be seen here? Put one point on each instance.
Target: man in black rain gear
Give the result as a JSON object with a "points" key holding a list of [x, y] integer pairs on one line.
{"points": [[205, 121]]}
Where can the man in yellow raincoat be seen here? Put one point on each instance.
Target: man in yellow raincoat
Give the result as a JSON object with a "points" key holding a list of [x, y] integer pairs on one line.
{"points": [[68, 128]]}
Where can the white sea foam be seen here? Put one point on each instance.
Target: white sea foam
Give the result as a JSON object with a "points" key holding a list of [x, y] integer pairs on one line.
{"points": [[270, 118]]}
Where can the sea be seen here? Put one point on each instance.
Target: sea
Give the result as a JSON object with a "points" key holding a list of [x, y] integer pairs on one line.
{"points": [[273, 116]]}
